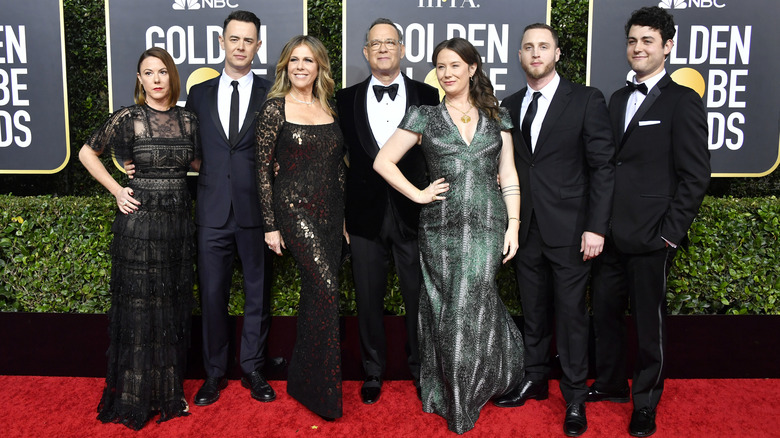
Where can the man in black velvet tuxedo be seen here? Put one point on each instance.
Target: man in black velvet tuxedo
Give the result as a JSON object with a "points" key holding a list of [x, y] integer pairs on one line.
{"points": [[228, 212], [380, 221], [564, 156], [661, 176]]}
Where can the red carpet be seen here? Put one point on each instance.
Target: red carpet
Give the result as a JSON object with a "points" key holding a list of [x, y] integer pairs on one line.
{"points": [[65, 407]]}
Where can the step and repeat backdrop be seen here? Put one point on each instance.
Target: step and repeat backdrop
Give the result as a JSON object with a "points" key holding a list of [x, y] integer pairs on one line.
{"points": [[33, 89], [724, 49], [494, 27], [189, 30]]}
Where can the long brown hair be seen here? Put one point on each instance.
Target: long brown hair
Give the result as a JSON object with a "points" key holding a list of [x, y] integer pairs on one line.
{"points": [[173, 75], [323, 85], [480, 88]]}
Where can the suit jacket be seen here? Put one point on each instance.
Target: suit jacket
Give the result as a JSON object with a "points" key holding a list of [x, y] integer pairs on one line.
{"points": [[227, 175], [663, 166], [367, 193], [568, 181]]}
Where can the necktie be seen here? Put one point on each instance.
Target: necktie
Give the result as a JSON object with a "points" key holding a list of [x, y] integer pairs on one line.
{"points": [[642, 88], [530, 113], [233, 127], [391, 90]]}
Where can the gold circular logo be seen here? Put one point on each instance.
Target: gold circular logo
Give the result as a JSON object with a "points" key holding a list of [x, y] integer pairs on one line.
{"points": [[433, 81], [690, 78], [200, 75]]}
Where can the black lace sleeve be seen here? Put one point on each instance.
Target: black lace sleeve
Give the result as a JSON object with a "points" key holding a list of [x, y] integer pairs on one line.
{"points": [[270, 120], [345, 159], [191, 124], [116, 135]]}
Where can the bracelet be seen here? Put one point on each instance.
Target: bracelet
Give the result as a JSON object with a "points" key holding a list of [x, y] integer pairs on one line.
{"points": [[518, 220]]}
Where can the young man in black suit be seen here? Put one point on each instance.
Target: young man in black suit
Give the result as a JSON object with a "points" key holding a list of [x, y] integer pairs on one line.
{"points": [[662, 172], [564, 157], [228, 212], [379, 220]]}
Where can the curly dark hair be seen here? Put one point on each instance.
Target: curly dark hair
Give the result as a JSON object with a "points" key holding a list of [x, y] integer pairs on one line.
{"points": [[480, 89], [655, 18]]}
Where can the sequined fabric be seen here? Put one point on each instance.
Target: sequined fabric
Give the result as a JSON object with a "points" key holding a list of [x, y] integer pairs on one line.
{"points": [[152, 273], [305, 201], [471, 350]]}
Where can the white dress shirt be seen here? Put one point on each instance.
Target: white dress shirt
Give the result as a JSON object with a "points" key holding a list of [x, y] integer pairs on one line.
{"points": [[224, 94], [636, 98], [542, 105], [385, 116]]}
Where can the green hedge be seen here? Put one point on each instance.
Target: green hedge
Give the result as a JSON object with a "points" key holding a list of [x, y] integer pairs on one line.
{"points": [[54, 258]]}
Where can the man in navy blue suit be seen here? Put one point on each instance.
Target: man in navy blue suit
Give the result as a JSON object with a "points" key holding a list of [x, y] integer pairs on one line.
{"points": [[228, 211]]}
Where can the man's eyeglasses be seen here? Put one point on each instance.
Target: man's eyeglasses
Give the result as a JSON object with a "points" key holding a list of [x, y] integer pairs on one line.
{"points": [[376, 44]]}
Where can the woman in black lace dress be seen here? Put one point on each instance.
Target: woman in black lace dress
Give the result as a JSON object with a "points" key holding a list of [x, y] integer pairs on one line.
{"points": [[152, 251], [303, 208]]}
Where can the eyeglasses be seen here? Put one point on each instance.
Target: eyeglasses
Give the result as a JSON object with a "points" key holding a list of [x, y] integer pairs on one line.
{"points": [[376, 44]]}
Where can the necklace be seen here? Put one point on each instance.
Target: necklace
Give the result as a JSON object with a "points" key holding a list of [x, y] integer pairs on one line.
{"points": [[465, 118], [300, 101]]}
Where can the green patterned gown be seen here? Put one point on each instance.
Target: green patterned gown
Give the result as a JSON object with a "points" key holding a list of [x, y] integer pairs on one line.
{"points": [[471, 350]]}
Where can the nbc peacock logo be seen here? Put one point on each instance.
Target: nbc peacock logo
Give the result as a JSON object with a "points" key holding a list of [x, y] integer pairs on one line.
{"points": [[181, 5], [673, 4], [191, 5]]}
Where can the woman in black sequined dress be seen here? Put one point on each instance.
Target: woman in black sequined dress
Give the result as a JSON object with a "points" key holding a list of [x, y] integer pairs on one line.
{"points": [[303, 208], [152, 251]]}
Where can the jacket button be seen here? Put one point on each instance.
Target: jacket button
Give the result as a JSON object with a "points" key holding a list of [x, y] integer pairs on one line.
{"points": [[619, 163]]}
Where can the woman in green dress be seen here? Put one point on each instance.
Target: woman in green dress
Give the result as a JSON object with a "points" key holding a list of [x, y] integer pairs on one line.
{"points": [[471, 350]]}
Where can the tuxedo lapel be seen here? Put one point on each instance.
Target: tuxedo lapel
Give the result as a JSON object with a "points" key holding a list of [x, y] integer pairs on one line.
{"points": [[412, 96], [211, 98], [652, 95], [559, 102], [363, 127]]}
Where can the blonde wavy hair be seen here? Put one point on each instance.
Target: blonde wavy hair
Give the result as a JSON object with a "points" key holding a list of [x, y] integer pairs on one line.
{"points": [[323, 86]]}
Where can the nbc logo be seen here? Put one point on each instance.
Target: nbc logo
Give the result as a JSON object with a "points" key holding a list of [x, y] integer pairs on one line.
{"points": [[181, 5], [682, 4], [189, 5]]}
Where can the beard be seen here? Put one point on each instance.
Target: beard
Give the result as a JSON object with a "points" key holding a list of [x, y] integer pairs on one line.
{"points": [[539, 72]]}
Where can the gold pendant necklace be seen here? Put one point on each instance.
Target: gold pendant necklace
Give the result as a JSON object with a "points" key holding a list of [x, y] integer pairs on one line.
{"points": [[465, 118]]}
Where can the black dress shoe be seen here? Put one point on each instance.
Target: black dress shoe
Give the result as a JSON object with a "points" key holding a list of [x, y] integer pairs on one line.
{"points": [[209, 392], [622, 396], [526, 390], [575, 423], [371, 390], [642, 422], [258, 387]]}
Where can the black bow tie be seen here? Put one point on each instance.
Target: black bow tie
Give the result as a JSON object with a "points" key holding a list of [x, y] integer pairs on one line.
{"points": [[391, 90], [642, 88]]}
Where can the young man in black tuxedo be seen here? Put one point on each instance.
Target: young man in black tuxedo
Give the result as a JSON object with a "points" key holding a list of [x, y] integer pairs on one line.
{"points": [[564, 157], [380, 221], [228, 212], [661, 175]]}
